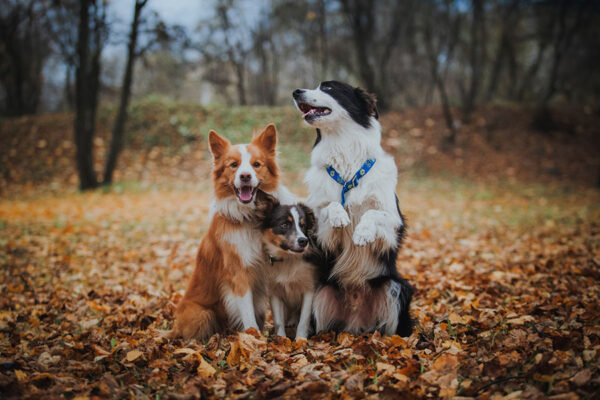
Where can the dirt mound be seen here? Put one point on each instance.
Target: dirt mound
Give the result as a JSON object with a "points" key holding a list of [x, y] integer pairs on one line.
{"points": [[500, 144], [165, 143]]}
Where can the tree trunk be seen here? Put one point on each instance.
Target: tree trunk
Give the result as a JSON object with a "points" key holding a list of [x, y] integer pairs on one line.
{"points": [[83, 130], [87, 89], [361, 14], [439, 83], [322, 18], [240, 83], [69, 96], [116, 143], [470, 95], [531, 71], [504, 49], [497, 67]]}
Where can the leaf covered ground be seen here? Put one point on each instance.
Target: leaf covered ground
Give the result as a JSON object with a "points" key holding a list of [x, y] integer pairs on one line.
{"points": [[507, 278], [506, 303]]}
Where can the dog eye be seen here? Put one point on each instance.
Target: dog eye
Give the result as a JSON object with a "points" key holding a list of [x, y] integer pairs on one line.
{"points": [[285, 225], [234, 164], [256, 164]]}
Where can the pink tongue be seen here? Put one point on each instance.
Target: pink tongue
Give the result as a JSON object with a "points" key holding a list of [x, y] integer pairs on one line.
{"points": [[246, 193]]}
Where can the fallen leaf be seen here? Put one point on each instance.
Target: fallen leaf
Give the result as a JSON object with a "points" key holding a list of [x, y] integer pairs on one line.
{"points": [[204, 368], [582, 377], [133, 355], [21, 376], [520, 320]]}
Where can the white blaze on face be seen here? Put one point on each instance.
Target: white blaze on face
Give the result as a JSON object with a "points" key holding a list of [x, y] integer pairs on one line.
{"points": [[296, 218], [245, 187]]}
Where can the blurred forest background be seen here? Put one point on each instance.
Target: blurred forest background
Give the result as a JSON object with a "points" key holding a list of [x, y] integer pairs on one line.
{"points": [[517, 77], [491, 109]]}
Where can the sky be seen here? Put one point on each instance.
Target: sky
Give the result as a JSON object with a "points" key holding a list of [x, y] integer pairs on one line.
{"points": [[181, 12]]}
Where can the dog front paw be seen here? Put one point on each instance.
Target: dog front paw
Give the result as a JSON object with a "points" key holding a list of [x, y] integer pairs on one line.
{"points": [[364, 233], [336, 215]]}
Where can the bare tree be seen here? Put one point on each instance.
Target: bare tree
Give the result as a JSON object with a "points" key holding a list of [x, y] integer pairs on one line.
{"points": [[361, 16], [236, 51], [505, 51], [24, 49], [447, 41], [117, 134], [61, 27], [568, 25], [92, 34], [470, 92]]}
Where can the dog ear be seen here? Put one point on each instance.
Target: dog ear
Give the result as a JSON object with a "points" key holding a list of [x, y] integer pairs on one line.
{"points": [[370, 101], [311, 221], [218, 144], [267, 140], [265, 204]]}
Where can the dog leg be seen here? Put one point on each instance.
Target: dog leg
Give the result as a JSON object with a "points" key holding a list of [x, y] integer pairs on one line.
{"points": [[242, 309], [395, 317], [374, 224], [335, 215], [327, 310], [278, 310], [303, 324]]}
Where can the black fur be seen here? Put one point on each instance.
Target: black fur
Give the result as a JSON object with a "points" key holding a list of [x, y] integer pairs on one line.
{"points": [[318, 139], [359, 104], [325, 262], [272, 215]]}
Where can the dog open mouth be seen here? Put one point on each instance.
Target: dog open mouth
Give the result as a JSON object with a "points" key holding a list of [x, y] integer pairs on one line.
{"points": [[245, 193], [312, 112]]}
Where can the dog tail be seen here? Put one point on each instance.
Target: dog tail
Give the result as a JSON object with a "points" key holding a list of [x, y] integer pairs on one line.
{"points": [[193, 320]]}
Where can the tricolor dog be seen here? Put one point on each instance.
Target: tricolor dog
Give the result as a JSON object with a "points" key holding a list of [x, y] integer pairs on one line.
{"points": [[227, 288], [352, 190], [287, 230]]}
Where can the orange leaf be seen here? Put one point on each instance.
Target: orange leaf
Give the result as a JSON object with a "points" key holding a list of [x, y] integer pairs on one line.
{"points": [[133, 355], [204, 369]]}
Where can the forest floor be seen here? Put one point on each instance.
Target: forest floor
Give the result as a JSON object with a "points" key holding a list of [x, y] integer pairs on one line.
{"points": [[506, 267]]}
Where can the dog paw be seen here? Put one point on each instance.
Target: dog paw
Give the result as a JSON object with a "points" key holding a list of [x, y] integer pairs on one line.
{"points": [[301, 332], [364, 234], [336, 215], [279, 330], [301, 337]]}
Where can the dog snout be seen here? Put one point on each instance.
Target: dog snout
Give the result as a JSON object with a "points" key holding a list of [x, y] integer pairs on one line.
{"points": [[245, 177], [302, 242], [297, 93]]}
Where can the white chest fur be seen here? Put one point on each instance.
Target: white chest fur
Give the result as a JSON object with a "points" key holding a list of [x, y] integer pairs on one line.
{"points": [[370, 206], [248, 244]]}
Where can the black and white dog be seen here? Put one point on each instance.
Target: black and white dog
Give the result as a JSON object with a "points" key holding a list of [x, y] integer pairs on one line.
{"points": [[352, 189]]}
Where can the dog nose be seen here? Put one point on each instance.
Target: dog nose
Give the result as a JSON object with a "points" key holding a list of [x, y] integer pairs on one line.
{"points": [[245, 177], [302, 242], [297, 92]]}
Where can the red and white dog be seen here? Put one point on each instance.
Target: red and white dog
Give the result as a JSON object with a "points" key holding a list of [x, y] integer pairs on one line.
{"points": [[226, 289]]}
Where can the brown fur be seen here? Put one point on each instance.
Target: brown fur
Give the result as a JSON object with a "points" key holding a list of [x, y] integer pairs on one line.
{"points": [[219, 267]]}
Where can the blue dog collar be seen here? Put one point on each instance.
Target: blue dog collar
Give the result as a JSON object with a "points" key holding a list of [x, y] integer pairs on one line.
{"points": [[352, 183]]}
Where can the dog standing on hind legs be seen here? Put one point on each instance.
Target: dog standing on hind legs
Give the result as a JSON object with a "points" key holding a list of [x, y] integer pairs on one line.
{"points": [[352, 189]]}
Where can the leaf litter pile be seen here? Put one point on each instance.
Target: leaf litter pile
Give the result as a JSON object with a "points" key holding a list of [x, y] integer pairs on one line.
{"points": [[507, 276], [506, 303]]}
